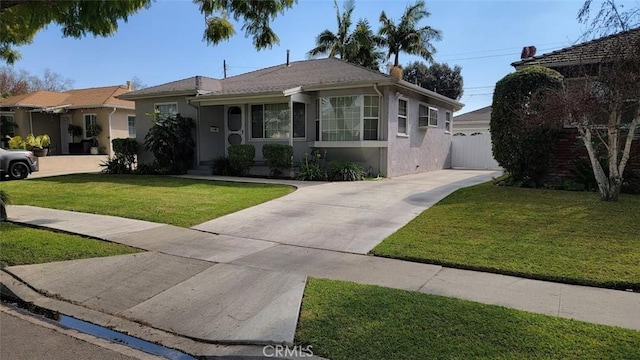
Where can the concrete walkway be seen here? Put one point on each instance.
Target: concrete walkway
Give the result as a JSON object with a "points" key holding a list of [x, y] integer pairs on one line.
{"points": [[221, 284]]}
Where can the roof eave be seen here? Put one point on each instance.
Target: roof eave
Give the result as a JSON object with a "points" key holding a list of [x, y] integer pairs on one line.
{"points": [[132, 97], [407, 85]]}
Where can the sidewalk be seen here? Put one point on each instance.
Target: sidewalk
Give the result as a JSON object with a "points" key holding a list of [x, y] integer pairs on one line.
{"points": [[174, 249]]}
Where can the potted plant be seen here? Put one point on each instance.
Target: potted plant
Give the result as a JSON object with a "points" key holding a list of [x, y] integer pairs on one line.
{"points": [[38, 144], [92, 133], [75, 131]]}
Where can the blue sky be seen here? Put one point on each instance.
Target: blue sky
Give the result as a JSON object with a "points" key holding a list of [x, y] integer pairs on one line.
{"points": [[164, 43]]}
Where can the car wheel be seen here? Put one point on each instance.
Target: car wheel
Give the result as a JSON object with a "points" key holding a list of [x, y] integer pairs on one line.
{"points": [[18, 170]]}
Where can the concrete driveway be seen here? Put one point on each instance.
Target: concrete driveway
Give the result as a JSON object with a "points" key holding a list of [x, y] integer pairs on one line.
{"points": [[344, 216]]}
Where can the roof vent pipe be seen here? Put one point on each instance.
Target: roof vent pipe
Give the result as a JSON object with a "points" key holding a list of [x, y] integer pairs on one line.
{"points": [[287, 57]]}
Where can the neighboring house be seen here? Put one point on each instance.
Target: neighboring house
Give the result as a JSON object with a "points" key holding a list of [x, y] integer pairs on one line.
{"points": [[472, 123], [47, 112], [388, 126], [471, 143], [579, 63]]}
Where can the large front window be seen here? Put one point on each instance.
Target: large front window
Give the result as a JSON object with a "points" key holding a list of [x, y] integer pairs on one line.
{"points": [[348, 118], [273, 121]]}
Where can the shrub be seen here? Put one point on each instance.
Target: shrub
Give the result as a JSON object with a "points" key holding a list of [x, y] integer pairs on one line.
{"points": [[241, 158], [145, 169], [126, 150], [523, 148], [310, 170], [171, 143], [115, 165], [278, 157], [221, 166], [342, 170]]}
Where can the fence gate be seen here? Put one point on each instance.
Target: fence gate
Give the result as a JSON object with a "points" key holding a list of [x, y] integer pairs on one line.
{"points": [[473, 152]]}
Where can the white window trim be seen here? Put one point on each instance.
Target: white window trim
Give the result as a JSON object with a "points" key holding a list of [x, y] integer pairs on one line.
{"points": [[428, 107], [437, 116], [155, 105], [306, 112], [363, 118], [361, 125], [446, 112], [134, 127], [265, 139], [406, 118], [84, 123]]}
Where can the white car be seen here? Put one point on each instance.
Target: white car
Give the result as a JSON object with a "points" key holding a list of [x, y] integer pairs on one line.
{"points": [[17, 164]]}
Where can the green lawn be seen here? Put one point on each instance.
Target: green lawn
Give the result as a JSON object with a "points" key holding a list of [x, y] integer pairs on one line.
{"points": [[553, 235], [20, 245], [343, 320], [163, 199]]}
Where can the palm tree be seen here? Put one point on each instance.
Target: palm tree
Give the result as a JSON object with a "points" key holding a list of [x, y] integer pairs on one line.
{"points": [[335, 44], [406, 36], [358, 47]]}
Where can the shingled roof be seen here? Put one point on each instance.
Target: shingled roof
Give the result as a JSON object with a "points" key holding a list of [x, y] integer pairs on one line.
{"points": [[298, 73], [594, 51], [194, 85], [73, 99], [482, 114], [310, 75]]}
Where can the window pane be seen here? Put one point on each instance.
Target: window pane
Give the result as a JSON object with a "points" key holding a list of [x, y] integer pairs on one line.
{"points": [[131, 120], [370, 129], [402, 107], [167, 110], [402, 125], [276, 121], [256, 122], [340, 118], [299, 120], [8, 124], [423, 117], [433, 117]]}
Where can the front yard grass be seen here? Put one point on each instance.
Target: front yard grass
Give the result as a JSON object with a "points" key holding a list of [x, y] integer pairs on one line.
{"points": [[551, 235], [20, 245], [162, 199], [344, 320]]}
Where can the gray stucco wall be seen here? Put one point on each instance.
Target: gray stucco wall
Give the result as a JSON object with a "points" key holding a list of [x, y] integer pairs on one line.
{"points": [[210, 144], [421, 149]]}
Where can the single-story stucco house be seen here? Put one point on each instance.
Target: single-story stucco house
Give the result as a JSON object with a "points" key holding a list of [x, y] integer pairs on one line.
{"points": [[388, 126], [51, 113]]}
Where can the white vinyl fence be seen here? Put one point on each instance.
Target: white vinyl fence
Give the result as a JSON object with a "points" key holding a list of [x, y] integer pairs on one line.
{"points": [[473, 152]]}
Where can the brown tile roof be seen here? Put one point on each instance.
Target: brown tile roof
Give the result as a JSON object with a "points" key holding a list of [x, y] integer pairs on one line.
{"points": [[589, 52], [482, 114], [98, 97], [74, 99], [37, 99]]}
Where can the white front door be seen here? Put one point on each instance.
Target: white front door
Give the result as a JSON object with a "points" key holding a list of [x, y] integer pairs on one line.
{"points": [[65, 138], [234, 126]]}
